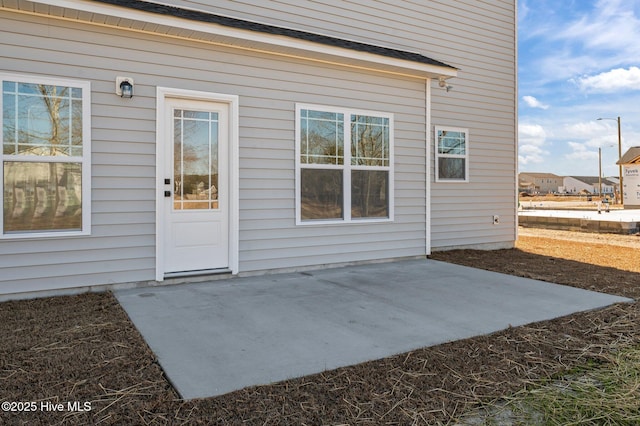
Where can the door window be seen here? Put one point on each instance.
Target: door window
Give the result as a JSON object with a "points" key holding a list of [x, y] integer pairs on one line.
{"points": [[195, 151]]}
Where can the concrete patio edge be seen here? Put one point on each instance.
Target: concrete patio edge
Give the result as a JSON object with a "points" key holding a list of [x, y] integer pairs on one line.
{"points": [[216, 337]]}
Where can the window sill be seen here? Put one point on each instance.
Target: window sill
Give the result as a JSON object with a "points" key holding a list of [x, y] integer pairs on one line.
{"points": [[47, 235], [322, 222]]}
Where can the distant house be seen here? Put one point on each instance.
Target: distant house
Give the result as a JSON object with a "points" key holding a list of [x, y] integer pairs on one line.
{"points": [[527, 187], [232, 137], [544, 183], [589, 184], [630, 162]]}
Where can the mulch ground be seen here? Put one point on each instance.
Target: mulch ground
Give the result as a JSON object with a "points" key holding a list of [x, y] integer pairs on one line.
{"points": [[83, 349]]}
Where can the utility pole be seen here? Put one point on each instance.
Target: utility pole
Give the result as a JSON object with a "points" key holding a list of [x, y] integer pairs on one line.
{"points": [[600, 173], [620, 158]]}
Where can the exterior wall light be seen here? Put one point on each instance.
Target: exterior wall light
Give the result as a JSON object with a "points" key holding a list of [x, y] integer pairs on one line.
{"points": [[124, 87], [442, 82]]}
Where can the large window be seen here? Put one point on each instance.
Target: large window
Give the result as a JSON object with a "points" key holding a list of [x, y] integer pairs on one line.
{"points": [[45, 157], [344, 165], [452, 154]]}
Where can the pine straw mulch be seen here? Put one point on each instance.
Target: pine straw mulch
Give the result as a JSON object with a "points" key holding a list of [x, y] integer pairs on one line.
{"points": [[83, 348]]}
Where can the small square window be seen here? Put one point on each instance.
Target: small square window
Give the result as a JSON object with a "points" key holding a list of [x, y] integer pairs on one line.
{"points": [[452, 154]]}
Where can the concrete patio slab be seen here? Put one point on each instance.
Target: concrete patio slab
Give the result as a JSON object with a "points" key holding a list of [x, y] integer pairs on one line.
{"points": [[216, 337]]}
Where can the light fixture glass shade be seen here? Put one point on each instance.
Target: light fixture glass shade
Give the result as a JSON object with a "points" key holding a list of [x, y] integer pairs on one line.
{"points": [[127, 89]]}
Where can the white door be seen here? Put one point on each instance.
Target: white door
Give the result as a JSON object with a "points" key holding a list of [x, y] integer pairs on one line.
{"points": [[196, 186]]}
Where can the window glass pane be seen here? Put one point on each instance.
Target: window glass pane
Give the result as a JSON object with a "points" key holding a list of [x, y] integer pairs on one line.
{"points": [[321, 137], [451, 142], [369, 140], [9, 134], [76, 128], [451, 168], [177, 159], [195, 160], [42, 196], [202, 115], [369, 193], [321, 194], [9, 86], [323, 115], [41, 119], [35, 89]]}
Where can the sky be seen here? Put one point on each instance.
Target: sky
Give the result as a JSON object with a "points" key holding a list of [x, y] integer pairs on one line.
{"points": [[578, 60]]}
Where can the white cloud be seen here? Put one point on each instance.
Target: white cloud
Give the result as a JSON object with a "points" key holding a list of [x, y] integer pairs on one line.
{"points": [[532, 138], [523, 10], [616, 80], [594, 132], [534, 103], [581, 152], [580, 59], [599, 35], [612, 25], [532, 134]]}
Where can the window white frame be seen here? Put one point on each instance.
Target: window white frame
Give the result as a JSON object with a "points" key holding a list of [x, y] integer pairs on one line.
{"points": [[84, 159], [439, 155], [346, 167]]}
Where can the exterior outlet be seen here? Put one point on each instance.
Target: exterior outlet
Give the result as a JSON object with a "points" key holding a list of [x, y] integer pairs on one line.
{"points": [[496, 219]]}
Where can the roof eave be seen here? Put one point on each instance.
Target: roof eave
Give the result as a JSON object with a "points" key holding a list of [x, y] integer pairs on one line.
{"points": [[260, 41]]}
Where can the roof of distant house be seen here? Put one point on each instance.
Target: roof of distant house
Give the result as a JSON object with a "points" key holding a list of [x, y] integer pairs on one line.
{"points": [[592, 180], [540, 175]]}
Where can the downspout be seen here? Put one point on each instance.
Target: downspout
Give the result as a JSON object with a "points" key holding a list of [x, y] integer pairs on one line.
{"points": [[428, 167], [515, 118]]}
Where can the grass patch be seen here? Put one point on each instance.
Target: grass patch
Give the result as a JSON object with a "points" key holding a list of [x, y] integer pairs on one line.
{"points": [[606, 392]]}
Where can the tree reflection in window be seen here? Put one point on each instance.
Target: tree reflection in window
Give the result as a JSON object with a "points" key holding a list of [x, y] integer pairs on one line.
{"points": [[369, 140], [195, 160], [344, 184], [42, 129], [321, 194], [451, 154], [322, 137]]}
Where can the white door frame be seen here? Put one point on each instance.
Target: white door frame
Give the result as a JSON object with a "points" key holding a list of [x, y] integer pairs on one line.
{"points": [[234, 234]]}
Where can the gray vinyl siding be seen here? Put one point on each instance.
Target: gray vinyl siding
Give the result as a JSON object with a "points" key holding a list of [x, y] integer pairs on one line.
{"points": [[477, 37], [483, 100], [121, 247]]}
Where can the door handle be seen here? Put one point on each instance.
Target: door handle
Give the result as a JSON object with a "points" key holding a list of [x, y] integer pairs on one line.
{"points": [[167, 193]]}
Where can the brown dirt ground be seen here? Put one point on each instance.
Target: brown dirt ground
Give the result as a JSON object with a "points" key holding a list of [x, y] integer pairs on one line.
{"points": [[83, 348]]}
